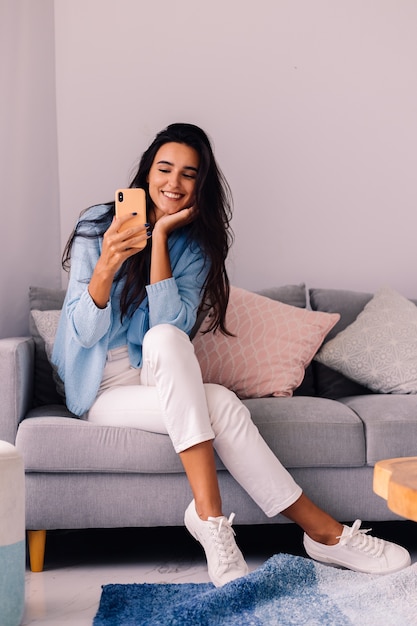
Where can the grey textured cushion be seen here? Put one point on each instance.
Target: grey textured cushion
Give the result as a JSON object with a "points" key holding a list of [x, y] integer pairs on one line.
{"points": [[379, 349], [43, 299], [328, 383], [47, 325], [390, 424]]}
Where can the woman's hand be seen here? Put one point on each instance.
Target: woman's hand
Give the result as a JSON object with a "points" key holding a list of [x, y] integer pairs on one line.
{"points": [[117, 248], [160, 261], [169, 222]]}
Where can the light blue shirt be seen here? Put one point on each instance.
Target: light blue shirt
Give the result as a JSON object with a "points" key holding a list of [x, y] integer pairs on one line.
{"points": [[85, 332]]}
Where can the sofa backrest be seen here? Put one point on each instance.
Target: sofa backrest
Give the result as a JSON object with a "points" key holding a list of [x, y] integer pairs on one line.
{"points": [[319, 379]]}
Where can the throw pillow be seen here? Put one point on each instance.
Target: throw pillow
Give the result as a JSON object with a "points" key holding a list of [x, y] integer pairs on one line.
{"points": [[43, 299], [47, 324], [272, 346], [379, 349], [329, 383]]}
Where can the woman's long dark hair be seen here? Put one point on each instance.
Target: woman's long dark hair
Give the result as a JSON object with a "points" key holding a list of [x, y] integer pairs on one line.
{"points": [[211, 228]]}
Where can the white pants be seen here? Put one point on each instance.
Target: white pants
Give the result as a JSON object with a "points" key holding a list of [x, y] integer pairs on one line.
{"points": [[168, 396]]}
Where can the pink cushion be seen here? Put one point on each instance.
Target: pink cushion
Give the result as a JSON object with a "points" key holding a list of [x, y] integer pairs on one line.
{"points": [[274, 343]]}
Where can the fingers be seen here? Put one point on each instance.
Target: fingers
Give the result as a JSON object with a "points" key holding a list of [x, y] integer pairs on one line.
{"points": [[119, 245], [193, 212], [119, 232], [186, 216], [119, 223]]}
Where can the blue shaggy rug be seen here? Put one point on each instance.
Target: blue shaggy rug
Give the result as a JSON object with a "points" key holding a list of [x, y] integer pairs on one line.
{"points": [[286, 590]]}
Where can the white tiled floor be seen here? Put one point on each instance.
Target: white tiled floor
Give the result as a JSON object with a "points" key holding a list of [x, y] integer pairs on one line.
{"points": [[77, 564]]}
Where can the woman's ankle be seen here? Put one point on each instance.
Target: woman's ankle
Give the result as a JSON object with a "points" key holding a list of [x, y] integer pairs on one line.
{"points": [[316, 523], [208, 509], [327, 536]]}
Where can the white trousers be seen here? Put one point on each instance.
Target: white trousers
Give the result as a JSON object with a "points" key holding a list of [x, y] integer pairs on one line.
{"points": [[168, 396]]}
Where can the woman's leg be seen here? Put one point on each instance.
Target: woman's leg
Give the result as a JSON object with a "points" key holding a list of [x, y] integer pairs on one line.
{"points": [[194, 415], [200, 467], [170, 363], [318, 524], [178, 406]]}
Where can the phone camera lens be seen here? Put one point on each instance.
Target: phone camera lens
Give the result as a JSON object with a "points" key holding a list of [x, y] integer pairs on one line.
{"points": [[120, 196]]}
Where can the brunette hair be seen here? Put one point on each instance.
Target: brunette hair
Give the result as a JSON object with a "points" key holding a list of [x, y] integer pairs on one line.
{"points": [[210, 230]]}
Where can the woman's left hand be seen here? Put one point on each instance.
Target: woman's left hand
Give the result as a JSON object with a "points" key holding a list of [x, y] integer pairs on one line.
{"points": [[167, 223], [160, 261]]}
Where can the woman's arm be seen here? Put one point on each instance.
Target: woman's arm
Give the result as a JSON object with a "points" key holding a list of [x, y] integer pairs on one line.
{"points": [[94, 261], [160, 262], [117, 248]]}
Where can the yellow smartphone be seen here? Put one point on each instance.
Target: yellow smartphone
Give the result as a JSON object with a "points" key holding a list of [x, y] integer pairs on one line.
{"points": [[128, 201]]}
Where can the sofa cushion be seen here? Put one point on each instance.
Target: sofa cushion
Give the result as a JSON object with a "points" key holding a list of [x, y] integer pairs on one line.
{"points": [[43, 299], [50, 440], [48, 386], [310, 432], [295, 295], [302, 432], [271, 346], [390, 424], [47, 325], [379, 349], [329, 383]]}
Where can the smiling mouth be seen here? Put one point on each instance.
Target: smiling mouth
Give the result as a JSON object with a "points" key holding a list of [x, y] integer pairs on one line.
{"points": [[171, 195]]}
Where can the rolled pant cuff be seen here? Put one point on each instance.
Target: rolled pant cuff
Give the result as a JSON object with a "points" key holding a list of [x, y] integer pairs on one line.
{"points": [[276, 510], [193, 442]]}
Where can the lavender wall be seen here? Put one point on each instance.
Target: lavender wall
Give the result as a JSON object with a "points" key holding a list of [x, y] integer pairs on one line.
{"points": [[311, 107], [30, 234]]}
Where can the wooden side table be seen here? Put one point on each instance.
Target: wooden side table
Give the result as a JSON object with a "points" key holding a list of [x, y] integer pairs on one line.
{"points": [[395, 480]]}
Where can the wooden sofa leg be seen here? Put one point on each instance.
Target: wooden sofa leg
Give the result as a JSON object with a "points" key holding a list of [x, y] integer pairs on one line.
{"points": [[36, 542]]}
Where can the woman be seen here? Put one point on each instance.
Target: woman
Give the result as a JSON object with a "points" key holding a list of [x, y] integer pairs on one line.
{"points": [[124, 353]]}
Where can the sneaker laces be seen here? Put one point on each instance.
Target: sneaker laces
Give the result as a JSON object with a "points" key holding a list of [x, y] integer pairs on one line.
{"points": [[223, 535], [358, 539]]}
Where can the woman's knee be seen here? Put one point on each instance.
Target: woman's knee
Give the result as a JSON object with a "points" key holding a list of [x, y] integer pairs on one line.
{"points": [[163, 335], [225, 407], [166, 342]]}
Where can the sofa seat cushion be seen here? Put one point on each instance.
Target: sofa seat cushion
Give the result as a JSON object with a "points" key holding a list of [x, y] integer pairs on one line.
{"points": [[390, 423], [310, 432], [301, 431], [66, 445]]}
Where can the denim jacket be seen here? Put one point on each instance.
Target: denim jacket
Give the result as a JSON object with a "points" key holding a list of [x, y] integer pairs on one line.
{"points": [[85, 332]]}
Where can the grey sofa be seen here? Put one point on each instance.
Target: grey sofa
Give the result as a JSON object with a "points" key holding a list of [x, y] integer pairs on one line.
{"points": [[80, 475]]}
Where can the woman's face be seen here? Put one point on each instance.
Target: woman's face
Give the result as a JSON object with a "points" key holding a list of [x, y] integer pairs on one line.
{"points": [[172, 178]]}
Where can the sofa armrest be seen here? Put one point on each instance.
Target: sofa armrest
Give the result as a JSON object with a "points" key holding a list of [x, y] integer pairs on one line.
{"points": [[17, 356]]}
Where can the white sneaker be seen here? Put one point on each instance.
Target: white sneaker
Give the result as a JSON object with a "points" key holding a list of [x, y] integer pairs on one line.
{"points": [[360, 552], [224, 559]]}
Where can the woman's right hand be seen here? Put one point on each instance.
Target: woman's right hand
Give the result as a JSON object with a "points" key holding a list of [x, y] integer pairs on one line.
{"points": [[119, 246], [116, 249]]}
